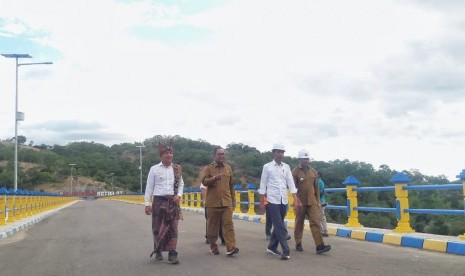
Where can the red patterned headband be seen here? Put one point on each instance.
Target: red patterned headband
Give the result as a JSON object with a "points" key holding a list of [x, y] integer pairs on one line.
{"points": [[164, 147]]}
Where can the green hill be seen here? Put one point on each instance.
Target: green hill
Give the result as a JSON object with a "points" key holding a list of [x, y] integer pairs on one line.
{"points": [[46, 168]]}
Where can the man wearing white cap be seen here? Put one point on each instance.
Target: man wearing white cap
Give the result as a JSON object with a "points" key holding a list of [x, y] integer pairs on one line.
{"points": [[306, 180], [275, 180]]}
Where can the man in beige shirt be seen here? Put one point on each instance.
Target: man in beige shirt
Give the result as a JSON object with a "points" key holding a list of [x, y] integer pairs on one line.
{"points": [[203, 191], [220, 201], [306, 181]]}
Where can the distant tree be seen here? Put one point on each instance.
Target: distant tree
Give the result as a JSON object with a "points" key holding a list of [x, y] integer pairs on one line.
{"points": [[96, 161], [41, 146], [21, 139]]}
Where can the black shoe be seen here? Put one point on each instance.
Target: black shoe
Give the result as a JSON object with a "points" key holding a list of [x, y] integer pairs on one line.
{"points": [[273, 252], [173, 259], [320, 249], [285, 257], [299, 247], [288, 237], [233, 251], [324, 235]]}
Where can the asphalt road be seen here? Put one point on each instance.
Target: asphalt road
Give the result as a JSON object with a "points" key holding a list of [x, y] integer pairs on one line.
{"points": [[113, 238]]}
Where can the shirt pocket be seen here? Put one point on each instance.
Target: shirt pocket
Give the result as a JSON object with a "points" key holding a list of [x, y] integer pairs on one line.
{"points": [[311, 179], [275, 174], [227, 175], [160, 176]]}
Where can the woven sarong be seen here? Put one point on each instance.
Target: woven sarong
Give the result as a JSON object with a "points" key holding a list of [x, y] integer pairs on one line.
{"points": [[165, 217]]}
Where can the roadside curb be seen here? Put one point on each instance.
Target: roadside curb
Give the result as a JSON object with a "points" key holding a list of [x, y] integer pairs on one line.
{"points": [[444, 244]]}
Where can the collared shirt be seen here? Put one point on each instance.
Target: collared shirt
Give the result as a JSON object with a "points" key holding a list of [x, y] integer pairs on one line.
{"points": [[220, 192], [306, 180], [160, 182], [276, 179]]}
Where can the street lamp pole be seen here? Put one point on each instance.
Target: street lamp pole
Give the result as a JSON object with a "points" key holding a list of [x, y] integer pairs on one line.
{"points": [[140, 165], [18, 115], [72, 166], [112, 189]]}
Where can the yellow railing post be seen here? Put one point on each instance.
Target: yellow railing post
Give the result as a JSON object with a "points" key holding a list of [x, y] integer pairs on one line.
{"points": [[46, 202], [196, 196], [352, 202], [36, 208], [237, 195], [251, 196], [51, 201], [33, 210], [184, 199], [462, 177], [200, 202], [200, 199], [40, 202], [22, 204], [191, 198], [400, 180], [11, 205], [290, 210], [30, 203], [3, 193], [54, 201]]}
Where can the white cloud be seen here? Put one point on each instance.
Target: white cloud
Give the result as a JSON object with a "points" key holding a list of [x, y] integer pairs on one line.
{"points": [[374, 81]]}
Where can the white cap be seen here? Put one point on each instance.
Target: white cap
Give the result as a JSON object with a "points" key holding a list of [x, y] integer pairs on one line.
{"points": [[278, 146], [303, 154]]}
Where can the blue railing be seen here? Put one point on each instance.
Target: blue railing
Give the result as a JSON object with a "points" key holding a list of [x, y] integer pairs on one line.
{"points": [[400, 187], [402, 209]]}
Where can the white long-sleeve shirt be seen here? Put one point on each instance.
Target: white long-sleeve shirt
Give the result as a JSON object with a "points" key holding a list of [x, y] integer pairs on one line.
{"points": [[160, 182], [276, 179]]}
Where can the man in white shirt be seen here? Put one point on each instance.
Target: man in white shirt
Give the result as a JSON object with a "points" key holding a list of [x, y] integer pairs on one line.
{"points": [[164, 187], [306, 180], [275, 180]]}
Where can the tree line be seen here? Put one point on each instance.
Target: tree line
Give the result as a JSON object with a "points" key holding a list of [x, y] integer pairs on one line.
{"points": [[97, 161]]}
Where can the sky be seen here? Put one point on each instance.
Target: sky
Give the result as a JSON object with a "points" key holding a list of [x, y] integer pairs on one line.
{"points": [[379, 82]]}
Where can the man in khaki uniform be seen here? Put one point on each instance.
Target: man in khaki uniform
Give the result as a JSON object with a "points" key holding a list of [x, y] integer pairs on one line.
{"points": [[220, 201], [306, 181]]}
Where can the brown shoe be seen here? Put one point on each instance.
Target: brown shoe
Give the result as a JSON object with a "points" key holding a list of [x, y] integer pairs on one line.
{"points": [[214, 250], [173, 259]]}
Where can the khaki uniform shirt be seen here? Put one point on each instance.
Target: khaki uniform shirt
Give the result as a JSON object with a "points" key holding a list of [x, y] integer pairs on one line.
{"points": [[306, 181], [220, 192]]}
